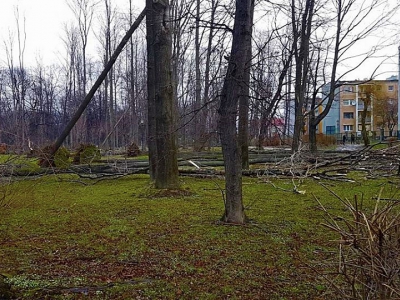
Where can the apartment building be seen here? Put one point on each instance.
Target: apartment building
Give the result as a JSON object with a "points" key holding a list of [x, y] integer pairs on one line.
{"points": [[372, 103]]}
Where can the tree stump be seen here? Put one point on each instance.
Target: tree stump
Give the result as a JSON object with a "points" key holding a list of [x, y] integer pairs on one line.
{"points": [[133, 150]]}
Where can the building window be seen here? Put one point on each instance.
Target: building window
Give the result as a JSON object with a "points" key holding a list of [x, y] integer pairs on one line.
{"points": [[348, 127], [391, 88], [367, 127], [349, 102], [330, 129], [348, 115], [348, 88]]}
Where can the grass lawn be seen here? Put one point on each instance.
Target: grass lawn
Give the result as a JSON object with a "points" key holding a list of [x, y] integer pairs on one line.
{"points": [[62, 237]]}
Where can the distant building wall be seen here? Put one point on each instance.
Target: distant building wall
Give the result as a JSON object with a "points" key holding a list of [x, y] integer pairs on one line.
{"points": [[331, 123]]}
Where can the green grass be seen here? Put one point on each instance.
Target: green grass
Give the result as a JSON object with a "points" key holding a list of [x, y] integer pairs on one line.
{"points": [[62, 238], [20, 162]]}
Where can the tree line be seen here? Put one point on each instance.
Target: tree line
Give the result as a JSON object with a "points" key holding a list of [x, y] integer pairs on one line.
{"points": [[295, 52], [197, 72]]}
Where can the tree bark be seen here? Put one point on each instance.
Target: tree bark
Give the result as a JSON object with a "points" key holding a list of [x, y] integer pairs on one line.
{"points": [[234, 84], [162, 141], [301, 43], [364, 132], [243, 134], [312, 134]]}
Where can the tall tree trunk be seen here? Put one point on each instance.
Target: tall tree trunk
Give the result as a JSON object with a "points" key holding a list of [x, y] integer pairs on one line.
{"points": [[151, 89], [204, 129], [312, 133], [162, 142], [133, 120], [198, 126], [364, 112], [243, 133], [301, 43], [234, 85]]}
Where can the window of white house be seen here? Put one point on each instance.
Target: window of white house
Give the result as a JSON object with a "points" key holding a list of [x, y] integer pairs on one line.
{"points": [[391, 88], [348, 88], [367, 127], [348, 115], [348, 127]]}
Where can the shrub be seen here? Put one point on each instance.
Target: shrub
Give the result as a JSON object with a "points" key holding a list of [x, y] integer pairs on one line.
{"points": [[272, 141], [322, 139]]}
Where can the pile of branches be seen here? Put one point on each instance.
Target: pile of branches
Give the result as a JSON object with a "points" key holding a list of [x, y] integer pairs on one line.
{"points": [[335, 165]]}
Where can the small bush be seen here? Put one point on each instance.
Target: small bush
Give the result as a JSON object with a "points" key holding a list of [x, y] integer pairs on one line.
{"points": [[272, 141], [322, 139]]}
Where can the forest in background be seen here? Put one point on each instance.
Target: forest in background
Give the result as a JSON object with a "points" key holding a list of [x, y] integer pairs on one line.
{"points": [[37, 101]]}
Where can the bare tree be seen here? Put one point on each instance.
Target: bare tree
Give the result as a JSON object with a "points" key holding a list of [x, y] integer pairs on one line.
{"points": [[235, 85], [161, 109], [302, 18], [273, 58], [107, 40], [84, 11], [385, 112], [70, 98], [18, 79]]}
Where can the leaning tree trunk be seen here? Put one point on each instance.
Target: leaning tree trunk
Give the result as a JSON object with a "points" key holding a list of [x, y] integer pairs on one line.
{"points": [[49, 161], [162, 143], [234, 85]]}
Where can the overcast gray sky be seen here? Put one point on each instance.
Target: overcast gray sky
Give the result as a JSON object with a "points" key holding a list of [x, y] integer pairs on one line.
{"points": [[45, 21]]}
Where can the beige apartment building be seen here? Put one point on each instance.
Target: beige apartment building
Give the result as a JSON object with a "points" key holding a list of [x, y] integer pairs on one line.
{"points": [[374, 101]]}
